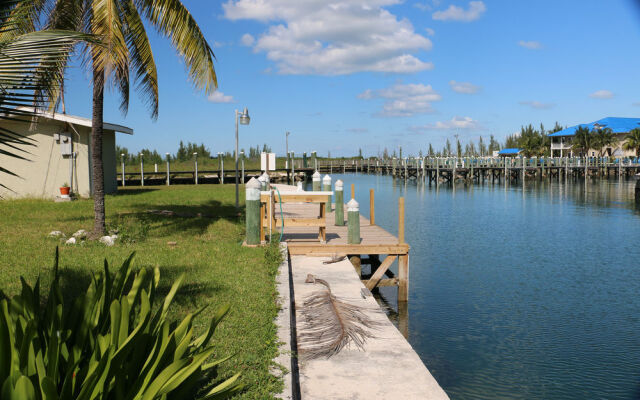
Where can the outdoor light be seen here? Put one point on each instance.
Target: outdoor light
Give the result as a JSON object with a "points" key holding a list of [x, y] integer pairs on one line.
{"points": [[244, 120], [244, 117]]}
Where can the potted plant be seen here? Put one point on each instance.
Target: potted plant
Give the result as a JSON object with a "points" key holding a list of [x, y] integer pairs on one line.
{"points": [[64, 190]]}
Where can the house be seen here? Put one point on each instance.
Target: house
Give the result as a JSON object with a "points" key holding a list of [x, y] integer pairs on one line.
{"points": [[561, 141], [509, 152], [61, 154]]}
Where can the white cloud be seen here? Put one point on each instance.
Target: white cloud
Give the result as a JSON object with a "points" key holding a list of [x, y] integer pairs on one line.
{"points": [[531, 44], [537, 105], [453, 124], [455, 13], [219, 97], [464, 87], [602, 94], [333, 38], [430, 31], [247, 40], [403, 100]]}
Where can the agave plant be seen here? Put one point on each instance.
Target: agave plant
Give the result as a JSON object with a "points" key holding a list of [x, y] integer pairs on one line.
{"points": [[108, 344]]}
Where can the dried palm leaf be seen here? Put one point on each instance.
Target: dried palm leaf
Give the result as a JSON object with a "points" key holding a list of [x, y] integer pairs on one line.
{"points": [[334, 259], [331, 324]]}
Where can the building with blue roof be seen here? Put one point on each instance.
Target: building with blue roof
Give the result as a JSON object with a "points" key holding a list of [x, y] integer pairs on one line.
{"points": [[561, 141]]}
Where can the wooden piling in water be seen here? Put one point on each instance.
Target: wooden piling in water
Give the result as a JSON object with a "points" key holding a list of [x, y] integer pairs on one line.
{"points": [[372, 207], [339, 212]]}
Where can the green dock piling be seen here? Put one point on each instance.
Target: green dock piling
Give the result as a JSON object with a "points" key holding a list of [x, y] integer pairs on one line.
{"points": [[339, 192], [353, 222], [253, 212], [326, 186], [315, 181]]}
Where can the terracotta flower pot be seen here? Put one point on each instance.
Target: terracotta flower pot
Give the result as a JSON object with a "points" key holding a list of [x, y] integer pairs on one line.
{"points": [[65, 191]]}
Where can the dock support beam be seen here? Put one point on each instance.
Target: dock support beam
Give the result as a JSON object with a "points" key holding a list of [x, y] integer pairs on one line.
{"points": [[403, 259]]}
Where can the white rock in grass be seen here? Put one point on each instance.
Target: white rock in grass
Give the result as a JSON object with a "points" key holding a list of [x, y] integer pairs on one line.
{"points": [[56, 234], [71, 241], [107, 240], [81, 234]]}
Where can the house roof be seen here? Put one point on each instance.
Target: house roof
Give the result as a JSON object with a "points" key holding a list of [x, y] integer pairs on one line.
{"points": [[74, 119], [616, 124], [510, 151]]}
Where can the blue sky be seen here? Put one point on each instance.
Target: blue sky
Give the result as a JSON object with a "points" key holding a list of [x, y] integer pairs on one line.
{"points": [[371, 74]]}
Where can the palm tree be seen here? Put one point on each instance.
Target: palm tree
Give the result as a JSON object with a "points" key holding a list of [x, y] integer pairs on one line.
{"points": [[126, 48], [583, 140], [633, 141], [604, 138], [31, 72]]}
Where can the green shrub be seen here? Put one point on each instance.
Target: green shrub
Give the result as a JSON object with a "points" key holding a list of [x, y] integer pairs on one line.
{"points": [[109, 344]]}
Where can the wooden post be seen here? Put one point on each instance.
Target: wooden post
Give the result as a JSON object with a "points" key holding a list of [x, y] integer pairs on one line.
{"points": [[305, 163], [141, 170], [372, 207], [401, 220], [253, 207], [316, 181], [353, 222], [123, 178], [195, 168], [315, 160], [168, 174], [339, 191], [353, 191], [293, 176], [326, 186], [403, 278]]}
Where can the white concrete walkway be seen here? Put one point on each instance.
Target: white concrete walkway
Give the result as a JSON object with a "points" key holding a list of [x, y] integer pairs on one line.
{"points": [[388, 368]]}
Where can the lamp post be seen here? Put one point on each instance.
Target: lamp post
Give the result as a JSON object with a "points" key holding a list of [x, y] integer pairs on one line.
{"points": [[244, 120]]}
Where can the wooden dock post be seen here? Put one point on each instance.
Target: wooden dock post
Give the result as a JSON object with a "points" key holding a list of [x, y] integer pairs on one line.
{"points": [[353, 222], [141, 170], [315, 181], [293, 177], [123, 178], [403, 259], [339, 214], [326, 186], [305, 162], [353, 191], [314, 156], [168, 169], [372, 207], [253, 220]]}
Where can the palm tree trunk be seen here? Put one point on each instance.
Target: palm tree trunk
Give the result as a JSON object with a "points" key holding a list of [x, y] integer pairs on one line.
{"points": [[97, 168]]}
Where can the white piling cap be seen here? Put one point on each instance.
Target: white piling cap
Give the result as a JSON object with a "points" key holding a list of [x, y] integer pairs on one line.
{"points": [[261, 178], [253, 184], [353, 205], [339, 184], [265, 177], [326, 180], [316, 176]]}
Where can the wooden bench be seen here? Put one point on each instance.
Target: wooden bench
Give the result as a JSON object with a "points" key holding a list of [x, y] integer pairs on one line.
{"points": [[268, 211]]}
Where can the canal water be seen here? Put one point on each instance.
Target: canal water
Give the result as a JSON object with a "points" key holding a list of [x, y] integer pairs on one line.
{"points": [[520, 292]]}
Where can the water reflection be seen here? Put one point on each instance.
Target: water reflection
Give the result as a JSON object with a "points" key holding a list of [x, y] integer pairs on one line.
{"points": [[519, 291]]}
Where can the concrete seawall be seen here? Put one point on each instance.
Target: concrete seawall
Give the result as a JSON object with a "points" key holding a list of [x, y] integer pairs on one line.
{"points": [[387, 367]]}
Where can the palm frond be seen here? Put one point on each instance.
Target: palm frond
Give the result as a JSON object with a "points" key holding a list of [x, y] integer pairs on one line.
{"points": [[141, 55], [330, 324], [31, 72], [113, 57], [173, 20]]}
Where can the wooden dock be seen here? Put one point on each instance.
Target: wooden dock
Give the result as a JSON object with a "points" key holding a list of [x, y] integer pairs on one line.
{"points": [[374, 243]]}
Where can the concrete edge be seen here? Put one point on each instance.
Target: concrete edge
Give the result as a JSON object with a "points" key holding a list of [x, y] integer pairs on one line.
{"points": [[283, 323]]}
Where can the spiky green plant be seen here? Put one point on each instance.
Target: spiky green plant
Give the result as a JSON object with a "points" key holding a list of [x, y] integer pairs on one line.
{"points": [[604, 138], [583, 140], [108, 344]]}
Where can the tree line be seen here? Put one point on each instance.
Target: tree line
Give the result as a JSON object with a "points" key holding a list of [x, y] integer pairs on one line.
{"points": [[184, 153]]}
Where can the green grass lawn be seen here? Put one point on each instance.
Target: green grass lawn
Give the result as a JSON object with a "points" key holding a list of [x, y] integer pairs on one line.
{"points": [[218, 269]]}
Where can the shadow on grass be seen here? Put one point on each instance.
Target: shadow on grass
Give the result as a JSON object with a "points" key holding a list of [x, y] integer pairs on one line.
{"points": [[128, 192], [74, 282]]}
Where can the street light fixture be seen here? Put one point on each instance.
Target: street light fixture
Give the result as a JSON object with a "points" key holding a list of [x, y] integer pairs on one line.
{"points": [[244, 119]]}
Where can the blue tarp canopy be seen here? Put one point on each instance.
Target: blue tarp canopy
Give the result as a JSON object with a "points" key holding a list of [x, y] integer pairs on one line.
{"points": [[509, 152], [617, 125]]}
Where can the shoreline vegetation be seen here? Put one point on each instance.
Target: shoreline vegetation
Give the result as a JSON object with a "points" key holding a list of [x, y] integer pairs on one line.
{"points": [[207, 232]]}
